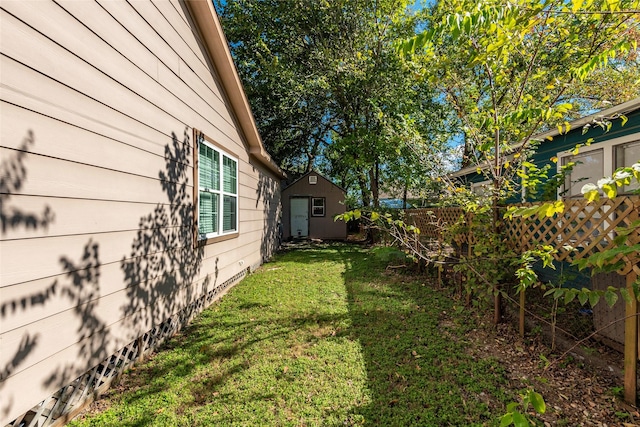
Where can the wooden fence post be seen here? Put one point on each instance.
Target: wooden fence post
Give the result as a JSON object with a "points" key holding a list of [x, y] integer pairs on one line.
{"points": [[521, 323], [631, 343]]}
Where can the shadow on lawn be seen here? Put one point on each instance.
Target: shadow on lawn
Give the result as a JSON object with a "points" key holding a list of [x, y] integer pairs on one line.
{"points": [[417, 372], [194, 348], [417, 369]]}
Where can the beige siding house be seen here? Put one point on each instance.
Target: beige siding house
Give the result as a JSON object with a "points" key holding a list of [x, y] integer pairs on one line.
{"points": [[134, 189], [309, 206]]}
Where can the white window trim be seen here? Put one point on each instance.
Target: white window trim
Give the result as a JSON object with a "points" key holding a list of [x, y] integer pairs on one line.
{"points": [[202, 139], [608, 161], [608, 155], [324, 206]]}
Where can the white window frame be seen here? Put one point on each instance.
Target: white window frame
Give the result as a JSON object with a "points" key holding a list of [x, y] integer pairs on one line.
{"points": [[608, 162], [625, 189], [201, 138], [324, 206], [608, 155]]}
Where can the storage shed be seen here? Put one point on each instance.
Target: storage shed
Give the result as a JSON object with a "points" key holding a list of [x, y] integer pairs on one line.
{"points": [[309, 206]]}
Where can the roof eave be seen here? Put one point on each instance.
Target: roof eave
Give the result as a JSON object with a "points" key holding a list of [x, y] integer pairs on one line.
{"points": [[624, 108], [206, 18]]}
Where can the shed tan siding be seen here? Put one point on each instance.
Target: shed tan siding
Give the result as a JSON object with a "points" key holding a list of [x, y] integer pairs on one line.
{"points": [[99, 102]]}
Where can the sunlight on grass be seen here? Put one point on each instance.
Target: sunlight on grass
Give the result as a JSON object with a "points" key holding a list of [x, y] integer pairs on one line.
{"points": [[317, 337]]}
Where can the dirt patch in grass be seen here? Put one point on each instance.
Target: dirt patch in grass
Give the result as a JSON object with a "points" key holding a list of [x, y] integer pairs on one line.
{"points": [[576, 393]]}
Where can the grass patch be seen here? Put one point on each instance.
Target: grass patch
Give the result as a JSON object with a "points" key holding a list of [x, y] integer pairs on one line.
{"points": [[318, 337]]}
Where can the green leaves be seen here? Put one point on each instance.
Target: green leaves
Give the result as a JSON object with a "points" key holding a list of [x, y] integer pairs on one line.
{"points": [[537, 402], [576, 5], [515, 418], [583, 297], [420, 41], [544, 210], [594, 297], [516, 413], [349, 216], [602, 59], [611, 296], [609, 189], [506, 67], [591, 193]]}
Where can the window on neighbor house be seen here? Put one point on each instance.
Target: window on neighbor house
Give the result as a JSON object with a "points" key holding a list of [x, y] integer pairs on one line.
{"points": [[317, 206], [626, 155], [589, 167], [217, 177], [600, 160]]}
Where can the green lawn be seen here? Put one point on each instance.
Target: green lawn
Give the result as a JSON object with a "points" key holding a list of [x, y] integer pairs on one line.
{"points": [[321, 336]]}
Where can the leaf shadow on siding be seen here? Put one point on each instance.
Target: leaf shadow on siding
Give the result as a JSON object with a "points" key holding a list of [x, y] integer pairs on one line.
{"points": [[164, 263], [83, 293], [82, 288], [159, 273], [27, 344], [13, 175], [78, 283], [268, 193]]}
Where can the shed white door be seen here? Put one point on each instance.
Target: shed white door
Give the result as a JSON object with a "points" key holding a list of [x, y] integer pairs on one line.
{"points": [[300, 217]]}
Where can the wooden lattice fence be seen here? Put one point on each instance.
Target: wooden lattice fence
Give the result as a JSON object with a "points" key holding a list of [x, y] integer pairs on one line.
{"points": [[583, 229], [433, 223]]}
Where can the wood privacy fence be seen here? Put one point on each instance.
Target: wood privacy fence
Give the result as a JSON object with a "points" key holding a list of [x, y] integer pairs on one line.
{"points": [[582, 230]]}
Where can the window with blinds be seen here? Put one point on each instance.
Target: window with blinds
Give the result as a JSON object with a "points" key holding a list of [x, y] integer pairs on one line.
{"points": [[217, 191]]}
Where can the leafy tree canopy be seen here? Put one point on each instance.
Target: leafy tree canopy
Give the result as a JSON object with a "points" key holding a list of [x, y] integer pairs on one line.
{"points": [[329, 90], [510, 69]]}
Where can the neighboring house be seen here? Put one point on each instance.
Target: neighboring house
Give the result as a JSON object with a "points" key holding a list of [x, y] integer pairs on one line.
{"points": [[309, 206], [617, 147], [393, 198], [610, 149], [134, 189]]}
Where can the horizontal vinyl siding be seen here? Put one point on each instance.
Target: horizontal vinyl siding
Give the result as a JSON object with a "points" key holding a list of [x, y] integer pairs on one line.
{"points": [[50, 176], [46, 301], [81, 216], [99, 102]]}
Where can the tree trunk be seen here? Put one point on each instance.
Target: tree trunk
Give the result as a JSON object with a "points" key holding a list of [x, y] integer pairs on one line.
{"points": [[373, 178], [364, 190], [497, 302], [404, 197]]}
